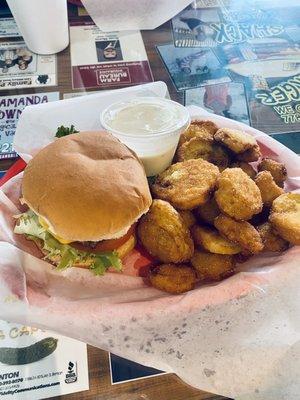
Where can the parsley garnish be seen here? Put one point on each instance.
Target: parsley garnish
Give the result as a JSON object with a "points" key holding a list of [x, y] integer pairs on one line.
{"points": [[65, 131]]}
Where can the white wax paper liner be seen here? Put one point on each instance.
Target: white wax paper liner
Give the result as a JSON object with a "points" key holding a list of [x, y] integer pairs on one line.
{"points": [[238, 338]]}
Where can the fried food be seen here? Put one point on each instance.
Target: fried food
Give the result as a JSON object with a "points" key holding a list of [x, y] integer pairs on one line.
{"points": [[203, 129], [250, 155], [173, 278], [260, 218], [247, 168], [212, 241], [188, 218], [237, 141], [198, 147], [237, 195], [285, 217], [186, 184], [212, 267], [208, 211], [271, 241], [164, 234], [277, 170], [240, 232], [268, 189]]}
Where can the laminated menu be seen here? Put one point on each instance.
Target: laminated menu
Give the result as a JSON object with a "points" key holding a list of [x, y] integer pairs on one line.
{"points": [[107, 59]]}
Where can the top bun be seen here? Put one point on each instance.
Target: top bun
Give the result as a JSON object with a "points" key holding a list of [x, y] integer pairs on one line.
{"points": [[88, 186]]}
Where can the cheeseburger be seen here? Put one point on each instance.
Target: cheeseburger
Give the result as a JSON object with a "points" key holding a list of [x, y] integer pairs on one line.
{"points": [[84, 193]]}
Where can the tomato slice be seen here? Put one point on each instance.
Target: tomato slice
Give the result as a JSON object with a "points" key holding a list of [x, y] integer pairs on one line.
{"points": [[104, 245]]}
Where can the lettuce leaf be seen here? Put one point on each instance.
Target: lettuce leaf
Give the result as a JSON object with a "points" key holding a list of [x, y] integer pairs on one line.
{"points": [[28, 224], [63, 255]]}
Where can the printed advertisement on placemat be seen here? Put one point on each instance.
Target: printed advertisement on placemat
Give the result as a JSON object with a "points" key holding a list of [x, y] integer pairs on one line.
{"points": [[106, 59], [236, 22], [37, 364], [225, 99], [20, 68], [189, 68], [8, 28], [11, 108], [256, 46]]}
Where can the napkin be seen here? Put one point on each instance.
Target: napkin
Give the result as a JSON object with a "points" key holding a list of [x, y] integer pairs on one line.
{"points": [[237, 338], [121, 15]]}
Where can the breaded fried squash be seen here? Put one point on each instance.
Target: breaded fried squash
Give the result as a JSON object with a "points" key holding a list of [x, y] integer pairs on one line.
{"points": [[239, 232], [173, 278], [164, 234], [210, 240], [268, 189], [285, 217], [271, 241], [237, 195], [212, 267], [186, 184], [277, 170]]}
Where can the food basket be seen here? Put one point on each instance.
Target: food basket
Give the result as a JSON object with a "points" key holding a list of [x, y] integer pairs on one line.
{"points": [[237, 338]]}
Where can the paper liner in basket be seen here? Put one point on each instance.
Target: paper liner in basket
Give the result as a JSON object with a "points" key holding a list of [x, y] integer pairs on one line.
{"points": [[238, 338]]}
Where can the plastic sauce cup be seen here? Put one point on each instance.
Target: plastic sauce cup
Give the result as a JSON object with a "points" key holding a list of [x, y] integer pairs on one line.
{"points": [[150, 126]]}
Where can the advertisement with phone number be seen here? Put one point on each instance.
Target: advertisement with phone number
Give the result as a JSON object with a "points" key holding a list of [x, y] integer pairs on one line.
{"points": [[37, 364]]}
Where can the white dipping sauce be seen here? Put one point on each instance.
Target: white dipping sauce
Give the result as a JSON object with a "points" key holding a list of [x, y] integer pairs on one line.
{"points": [[150, 126]]}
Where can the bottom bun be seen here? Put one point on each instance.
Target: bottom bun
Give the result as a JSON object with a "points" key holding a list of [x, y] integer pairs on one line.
{"points": [[122, 251]]}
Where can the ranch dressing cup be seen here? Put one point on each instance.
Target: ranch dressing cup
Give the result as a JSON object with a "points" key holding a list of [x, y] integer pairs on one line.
{"points": [[150, 126]]}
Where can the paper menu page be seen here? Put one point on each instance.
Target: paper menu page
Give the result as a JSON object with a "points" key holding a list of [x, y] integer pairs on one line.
{"points": [[36, 364]]}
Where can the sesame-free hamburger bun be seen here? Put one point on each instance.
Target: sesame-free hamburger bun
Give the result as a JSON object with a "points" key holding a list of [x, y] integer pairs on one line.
{"points": [[87, 186]]}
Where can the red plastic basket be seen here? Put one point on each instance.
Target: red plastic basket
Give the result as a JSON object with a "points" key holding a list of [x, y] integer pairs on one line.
{"points": [[15, 169]]}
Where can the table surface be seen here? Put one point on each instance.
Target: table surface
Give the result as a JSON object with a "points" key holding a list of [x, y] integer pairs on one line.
{"points": [[166, 387]]}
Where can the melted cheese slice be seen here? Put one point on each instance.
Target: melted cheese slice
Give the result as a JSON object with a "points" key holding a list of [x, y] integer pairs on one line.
{"points": [[46, 226]]}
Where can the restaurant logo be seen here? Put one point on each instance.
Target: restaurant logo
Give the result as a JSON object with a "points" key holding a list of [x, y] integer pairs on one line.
{"points": [[284, 98], [71, 375], [113, 76]]}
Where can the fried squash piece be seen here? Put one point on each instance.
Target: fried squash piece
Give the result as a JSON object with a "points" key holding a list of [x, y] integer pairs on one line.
{"points": [[235, 140], [271, 241], [188, 217], [240, 232], [208, 211], [201, 148], [277, 170], [173, 278], [212, 267], [250, 155], [247, 168], [204, 129], [210, 240], [285, 217], [237, 195], [196, 147], [268, 189], [186, 184], [164, 234]]}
